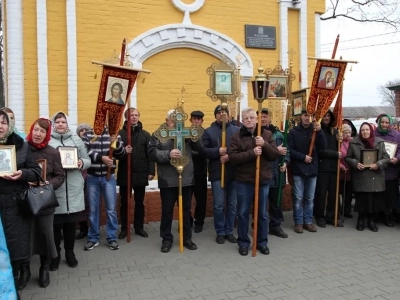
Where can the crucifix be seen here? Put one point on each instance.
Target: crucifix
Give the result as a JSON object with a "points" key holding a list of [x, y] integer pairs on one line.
{"points": [[179, 133]]}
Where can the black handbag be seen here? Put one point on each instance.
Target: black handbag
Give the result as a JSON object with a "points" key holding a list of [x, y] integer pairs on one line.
{"points": [[41, 197]]}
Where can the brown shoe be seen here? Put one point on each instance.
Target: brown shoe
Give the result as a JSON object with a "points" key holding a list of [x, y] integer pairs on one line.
{"points": [[310, 227], [298, 228]]}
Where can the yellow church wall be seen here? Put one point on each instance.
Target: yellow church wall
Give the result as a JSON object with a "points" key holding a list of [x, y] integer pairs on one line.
{"points": [[100, 31], [30, 65], [57, 56]]}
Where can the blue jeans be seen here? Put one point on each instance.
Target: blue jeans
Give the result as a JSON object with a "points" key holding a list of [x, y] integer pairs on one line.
{"points": [[245, 195], [97, 186], [303, 189], [224, 198]]}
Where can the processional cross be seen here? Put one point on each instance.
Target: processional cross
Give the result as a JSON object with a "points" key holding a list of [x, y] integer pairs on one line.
{"points": [[179, 134]]}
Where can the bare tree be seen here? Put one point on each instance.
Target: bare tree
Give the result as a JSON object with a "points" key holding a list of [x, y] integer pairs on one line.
{"points": [[368, 11], [387, 96]]}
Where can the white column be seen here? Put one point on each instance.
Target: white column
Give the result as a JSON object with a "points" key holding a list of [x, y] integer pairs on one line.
{"points": [[14, 48], [72, 63], [284, 33], [303, 45], [244, 103], [43, 73], [317, 35]]}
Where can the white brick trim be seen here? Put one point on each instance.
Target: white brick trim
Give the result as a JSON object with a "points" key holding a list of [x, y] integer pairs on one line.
{"points": [[15, 62], [303, 45], [72, 63], [43, 73], [317, 35], [189, 36]]}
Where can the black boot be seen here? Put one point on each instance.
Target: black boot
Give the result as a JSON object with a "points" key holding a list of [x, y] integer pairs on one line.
{"points": [[16, 288], [44, 276], [71, 259], [25, 275], [360, 223], [371, 224], [55, 262]]}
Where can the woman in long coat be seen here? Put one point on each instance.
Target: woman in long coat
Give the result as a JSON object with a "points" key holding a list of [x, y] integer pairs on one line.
{"points": [[43, 243], [17, 225], [368, 180], [70, 195]]}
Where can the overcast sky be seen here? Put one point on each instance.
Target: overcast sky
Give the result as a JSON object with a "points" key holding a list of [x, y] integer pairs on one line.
{"points": [[377, 63]]}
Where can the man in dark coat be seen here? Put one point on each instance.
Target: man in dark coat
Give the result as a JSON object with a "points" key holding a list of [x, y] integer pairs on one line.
{"points": [[244, 149], [327, 174], [304, 170], [200, 179], [142, 170], [224, 198]]}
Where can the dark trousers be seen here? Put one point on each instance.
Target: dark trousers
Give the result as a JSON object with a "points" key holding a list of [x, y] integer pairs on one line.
{"points": [[169, 196], [138, 196], [326, 184], [348, 195], [69, 231], [275, 212], [200, 194]]}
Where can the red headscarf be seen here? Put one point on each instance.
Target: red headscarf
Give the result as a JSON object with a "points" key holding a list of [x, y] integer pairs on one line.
{"points": [[368, 142], [46, 139]]}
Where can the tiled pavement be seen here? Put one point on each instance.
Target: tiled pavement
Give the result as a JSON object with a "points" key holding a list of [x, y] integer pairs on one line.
{"points": [[339, 263]]}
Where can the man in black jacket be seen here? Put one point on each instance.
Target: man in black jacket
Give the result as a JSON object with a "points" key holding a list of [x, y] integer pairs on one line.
{"points": [[327, 174], [200, 179], [142, 170], [304, 170]]}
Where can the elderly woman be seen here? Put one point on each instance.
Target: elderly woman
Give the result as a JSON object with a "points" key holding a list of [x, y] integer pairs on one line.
{"points": [[368, 180], [10, 114], [70, 195], [391, 193], [345, 187], [17, 226], [43, 243]]}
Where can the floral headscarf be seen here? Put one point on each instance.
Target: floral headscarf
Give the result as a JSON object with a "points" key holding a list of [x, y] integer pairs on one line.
{"points": [[10, 127], [378, 121]]}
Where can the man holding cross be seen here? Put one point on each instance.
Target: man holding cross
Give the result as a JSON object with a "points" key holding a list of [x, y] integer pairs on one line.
{"points": [[168, 183]]}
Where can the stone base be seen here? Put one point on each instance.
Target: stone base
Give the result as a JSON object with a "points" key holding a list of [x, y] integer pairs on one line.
{"points": [[152, 204]]}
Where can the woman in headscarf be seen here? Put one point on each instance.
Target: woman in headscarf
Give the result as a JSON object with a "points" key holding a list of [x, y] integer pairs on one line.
{"points": [[391, 193], [43, 243], [10, 114], [70, 195], [17, 225], [368, 180], [353, 128]]}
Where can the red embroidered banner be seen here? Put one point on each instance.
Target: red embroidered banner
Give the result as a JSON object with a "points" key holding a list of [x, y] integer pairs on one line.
{"points": [[328, 78], [115, 88]]}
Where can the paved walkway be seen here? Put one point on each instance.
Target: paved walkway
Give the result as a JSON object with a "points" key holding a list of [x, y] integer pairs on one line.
{"points": [[339, 263]]}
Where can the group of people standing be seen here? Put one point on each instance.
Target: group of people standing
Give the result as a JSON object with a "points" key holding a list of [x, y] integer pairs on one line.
{"points": [[78, 191]]}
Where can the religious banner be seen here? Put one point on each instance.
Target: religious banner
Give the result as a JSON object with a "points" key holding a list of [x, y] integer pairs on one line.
{"points": [[328, 77], [115, 87]]}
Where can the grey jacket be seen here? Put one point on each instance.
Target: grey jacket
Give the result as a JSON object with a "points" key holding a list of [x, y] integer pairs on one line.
{"points": [[167, 174], [70, 195], [367, 180]]}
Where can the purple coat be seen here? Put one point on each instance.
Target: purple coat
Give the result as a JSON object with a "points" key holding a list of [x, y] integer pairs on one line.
{"points": [[391, 172]]}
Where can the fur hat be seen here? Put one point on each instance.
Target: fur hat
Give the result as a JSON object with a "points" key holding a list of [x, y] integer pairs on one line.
{"points": [[82, 126]]}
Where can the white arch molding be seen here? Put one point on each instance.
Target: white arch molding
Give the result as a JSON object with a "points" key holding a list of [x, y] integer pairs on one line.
{"points": [[200, 38]]}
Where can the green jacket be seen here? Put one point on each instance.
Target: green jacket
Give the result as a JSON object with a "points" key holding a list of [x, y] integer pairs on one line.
{"points": [[70, 195]]}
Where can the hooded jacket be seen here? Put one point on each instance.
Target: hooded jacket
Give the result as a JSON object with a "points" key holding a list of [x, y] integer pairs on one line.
{"points": [[70, 195], [299, 140], [328, 156], [141, 165], [242, 156]]}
